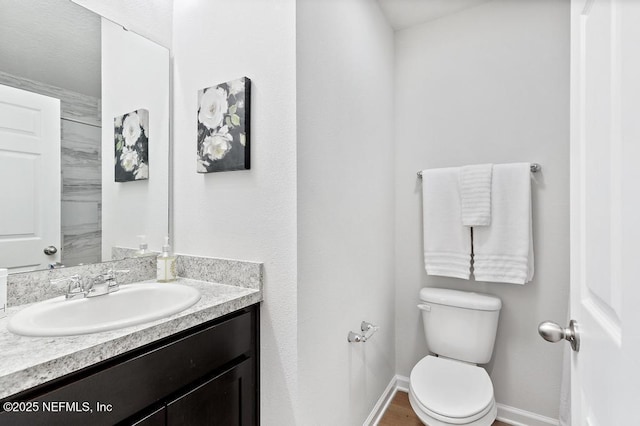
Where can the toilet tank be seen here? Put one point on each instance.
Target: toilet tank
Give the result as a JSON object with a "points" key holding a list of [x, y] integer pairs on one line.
{"points": [[459, 324]]}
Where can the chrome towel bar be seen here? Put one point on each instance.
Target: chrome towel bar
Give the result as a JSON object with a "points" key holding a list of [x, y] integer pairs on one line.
{"points": [[535, 167]]}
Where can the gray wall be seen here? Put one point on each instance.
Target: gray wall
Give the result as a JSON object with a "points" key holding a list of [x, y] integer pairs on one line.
{"points": [[251, 214], [489, 85], [345, 208]]}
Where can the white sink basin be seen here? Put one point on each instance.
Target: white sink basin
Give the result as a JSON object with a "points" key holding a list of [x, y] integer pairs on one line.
{"points": [[131, 305]]}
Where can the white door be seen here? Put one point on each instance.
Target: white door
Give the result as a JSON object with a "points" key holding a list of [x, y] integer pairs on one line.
{"points": [[29, 179], [605, 211]]}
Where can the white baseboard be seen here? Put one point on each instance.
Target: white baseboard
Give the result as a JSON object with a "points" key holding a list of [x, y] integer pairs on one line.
{"points": [[511, 415], [402, 383], [397, 383], [517, 417]]}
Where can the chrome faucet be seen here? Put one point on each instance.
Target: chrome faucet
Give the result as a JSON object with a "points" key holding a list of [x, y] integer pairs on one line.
{"points": [[96, 286], [104, 283]]}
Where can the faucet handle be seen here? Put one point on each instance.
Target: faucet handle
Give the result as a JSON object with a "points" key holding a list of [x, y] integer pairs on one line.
{"points": [[73, 280], [111, 274], [75, 287], [111, 280]]}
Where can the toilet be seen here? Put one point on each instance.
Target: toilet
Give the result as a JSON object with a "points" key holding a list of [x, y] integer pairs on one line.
{"points": [[448, 388]]}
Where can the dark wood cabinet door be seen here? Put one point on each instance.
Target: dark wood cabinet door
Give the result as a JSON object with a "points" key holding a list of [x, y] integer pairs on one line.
{"points": [[157, 418], [228, 399]]}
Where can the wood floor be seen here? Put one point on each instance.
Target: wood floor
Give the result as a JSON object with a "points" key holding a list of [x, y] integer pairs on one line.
{"points": [[399, 413]]}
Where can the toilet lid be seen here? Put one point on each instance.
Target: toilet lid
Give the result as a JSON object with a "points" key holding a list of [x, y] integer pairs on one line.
{"points": [[451, 388]]}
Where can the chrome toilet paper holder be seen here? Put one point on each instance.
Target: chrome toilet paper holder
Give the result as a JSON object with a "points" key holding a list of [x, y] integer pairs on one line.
{"points": [[367, 329]]}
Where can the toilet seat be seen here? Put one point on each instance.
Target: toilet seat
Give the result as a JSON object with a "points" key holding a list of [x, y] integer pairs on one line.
{"points": [[451, 392]]}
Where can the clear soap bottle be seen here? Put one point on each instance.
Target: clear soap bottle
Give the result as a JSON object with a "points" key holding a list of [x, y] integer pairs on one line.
{"points": [[166, 264], [142, 248]]}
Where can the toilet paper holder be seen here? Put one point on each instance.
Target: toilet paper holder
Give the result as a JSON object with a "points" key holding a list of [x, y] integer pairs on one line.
{"points": [[367, 329]]}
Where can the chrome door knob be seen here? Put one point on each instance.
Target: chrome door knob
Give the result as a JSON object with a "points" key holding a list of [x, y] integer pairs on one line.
{"points": [[552, 332], [51, 250]]}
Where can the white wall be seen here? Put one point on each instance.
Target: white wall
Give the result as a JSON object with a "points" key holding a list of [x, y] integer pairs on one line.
{"points": [[345, 208], [489, 84], [250, 214], [135, 75], [149, 18]]}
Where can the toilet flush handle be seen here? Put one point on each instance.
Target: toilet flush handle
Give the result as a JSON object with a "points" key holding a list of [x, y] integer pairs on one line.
{"points": [[424, 307], [552, 332]]}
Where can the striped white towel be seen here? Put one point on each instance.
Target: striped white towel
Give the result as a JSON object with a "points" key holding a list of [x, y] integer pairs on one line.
{"points": [[475, 194], [503, 252], [447, 244]]}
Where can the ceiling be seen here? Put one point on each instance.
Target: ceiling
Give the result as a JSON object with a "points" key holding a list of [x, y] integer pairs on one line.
{"points": [[54, 41], [406, 13]]}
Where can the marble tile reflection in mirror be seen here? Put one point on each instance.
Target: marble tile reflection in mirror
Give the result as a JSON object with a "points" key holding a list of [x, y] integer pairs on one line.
{"points": [[98, 71]]}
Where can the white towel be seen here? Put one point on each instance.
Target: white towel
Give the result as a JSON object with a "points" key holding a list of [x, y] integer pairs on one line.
{"points": [[503, 252], [447, 244], [475, 194]]}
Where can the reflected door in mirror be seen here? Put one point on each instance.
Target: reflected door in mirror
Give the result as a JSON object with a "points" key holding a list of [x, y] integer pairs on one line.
{"points": [[29, 179]]}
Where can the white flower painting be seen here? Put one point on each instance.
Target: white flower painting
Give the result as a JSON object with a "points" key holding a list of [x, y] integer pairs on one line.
{"points": [[223, 127], [131, 132]]}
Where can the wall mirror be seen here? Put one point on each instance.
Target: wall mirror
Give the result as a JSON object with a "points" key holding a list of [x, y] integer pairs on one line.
{"points": [[84, 136]]}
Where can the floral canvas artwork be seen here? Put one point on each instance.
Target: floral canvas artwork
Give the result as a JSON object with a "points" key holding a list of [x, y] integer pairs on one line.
{"points": [[223, 126], [132, 146]]}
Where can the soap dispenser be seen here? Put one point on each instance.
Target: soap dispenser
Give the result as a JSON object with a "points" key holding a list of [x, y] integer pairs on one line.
{"points": [[166, 264], [142, 248]]}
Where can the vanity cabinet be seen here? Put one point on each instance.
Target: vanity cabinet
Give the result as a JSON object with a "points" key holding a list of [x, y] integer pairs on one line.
{"points": [[219, 400], [206, 375], [157, 418]]}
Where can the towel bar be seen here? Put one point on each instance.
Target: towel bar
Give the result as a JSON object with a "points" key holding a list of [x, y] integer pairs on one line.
{"points": [[535, 167]]}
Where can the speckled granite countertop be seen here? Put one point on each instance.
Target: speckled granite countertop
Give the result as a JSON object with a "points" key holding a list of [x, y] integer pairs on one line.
{"points": [[26, 362]]}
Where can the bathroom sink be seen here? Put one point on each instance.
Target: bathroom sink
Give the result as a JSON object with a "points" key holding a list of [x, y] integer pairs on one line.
{"points": [[131, 305]]}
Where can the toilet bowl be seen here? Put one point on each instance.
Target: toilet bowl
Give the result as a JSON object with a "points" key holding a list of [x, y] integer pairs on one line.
{"points": [[447, 392], [449, 388]]}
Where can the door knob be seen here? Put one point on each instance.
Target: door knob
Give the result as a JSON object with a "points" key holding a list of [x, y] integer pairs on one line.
{"points": [[51, 250], [552, 332]]}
